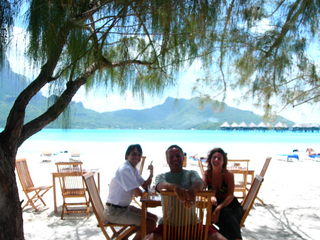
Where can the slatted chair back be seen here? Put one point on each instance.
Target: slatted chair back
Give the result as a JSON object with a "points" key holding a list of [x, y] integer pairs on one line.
{"points": [[98, 209], [140, 165], [69, 166], [72, 187], [73, 181], [250, 198], [263, 172], [24, 174], [187, 223], [265, 166], [201, 167], [32, 192]]}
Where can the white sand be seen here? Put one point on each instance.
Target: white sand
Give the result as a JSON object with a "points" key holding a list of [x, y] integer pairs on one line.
{"points": [[290, 190]]}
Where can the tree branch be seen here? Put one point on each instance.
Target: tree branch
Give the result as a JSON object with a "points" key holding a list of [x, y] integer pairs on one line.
{"points": [[59, 106], [291, 18], [16, 116]]}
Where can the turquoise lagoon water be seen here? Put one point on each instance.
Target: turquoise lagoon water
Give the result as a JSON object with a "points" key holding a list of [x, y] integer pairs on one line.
{"points": [[188, 136]]}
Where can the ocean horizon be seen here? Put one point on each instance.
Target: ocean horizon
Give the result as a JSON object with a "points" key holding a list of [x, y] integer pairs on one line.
{"points": [[165, 135], [99, 145]]}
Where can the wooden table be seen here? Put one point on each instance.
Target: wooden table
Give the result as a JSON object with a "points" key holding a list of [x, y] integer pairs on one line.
{"points": [[241, 163], [56, 175], [148, 202], [243, 187]]}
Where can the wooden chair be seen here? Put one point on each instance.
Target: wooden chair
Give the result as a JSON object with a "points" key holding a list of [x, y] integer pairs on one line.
{"points": [[240, 179], [180, 222], [32, 193], [250, 198], [201, 167], [73, 188], [124, 231], [265, 166], [240, 176], [263, 172], [69, 167], [139, 167]]}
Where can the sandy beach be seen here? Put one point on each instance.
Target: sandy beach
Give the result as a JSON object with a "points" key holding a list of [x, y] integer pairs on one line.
{"points": [[290, 189]]}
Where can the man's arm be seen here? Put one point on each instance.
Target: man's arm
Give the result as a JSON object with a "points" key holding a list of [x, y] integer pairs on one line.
{"points": [[137, 192], [197, 186], [147, 182]]}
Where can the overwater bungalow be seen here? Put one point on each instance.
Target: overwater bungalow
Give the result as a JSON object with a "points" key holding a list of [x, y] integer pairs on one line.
{"points": [[306, 127], [262, 126], [252, 126], [234, 126], [280, 126], [225, 126]]}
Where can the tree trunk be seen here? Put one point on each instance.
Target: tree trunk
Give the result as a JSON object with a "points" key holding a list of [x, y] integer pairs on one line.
{"points": [[11, 223]]}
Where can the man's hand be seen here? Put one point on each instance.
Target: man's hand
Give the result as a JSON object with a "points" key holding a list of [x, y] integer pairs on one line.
{"points": [[185, 195], [214, 201], [150, 167]]}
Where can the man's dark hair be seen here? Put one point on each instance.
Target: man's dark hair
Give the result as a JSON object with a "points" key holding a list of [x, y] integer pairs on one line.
{"points": [[174, 146], [133, 147]]}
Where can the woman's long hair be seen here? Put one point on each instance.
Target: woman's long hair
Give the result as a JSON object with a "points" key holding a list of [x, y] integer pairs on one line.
{"points": [[224, 155]]}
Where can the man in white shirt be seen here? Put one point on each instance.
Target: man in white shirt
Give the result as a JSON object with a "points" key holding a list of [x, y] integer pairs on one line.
{"points": [[123, 186]]}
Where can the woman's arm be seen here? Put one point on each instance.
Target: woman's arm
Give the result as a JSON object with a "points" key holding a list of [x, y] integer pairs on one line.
{"points": [[230, 195]]}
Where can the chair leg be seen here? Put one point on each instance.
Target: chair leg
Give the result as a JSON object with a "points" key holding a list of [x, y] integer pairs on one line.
{"points": [[39, 197], [260, 200], [31, 202], [62, 211]]}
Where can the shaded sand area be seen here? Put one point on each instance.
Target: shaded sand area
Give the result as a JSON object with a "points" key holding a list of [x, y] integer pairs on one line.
{"points": [[290, 190]]}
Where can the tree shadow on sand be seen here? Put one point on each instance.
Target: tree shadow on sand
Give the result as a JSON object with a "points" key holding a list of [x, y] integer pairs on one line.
{"points": [[75, 227], [286, 223]]}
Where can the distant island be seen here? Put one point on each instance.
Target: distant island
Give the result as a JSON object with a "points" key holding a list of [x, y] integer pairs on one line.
{"points": [[172, 114]]}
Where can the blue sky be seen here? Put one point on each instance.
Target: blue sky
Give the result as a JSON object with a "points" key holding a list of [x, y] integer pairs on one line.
{"points": [[99, 101]]}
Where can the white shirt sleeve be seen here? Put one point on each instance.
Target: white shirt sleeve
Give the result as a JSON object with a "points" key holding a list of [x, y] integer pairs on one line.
{"points": [[129, 178]]}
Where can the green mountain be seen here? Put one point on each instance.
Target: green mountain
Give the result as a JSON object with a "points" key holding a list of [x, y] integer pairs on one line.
{"points": [[172, 114]]}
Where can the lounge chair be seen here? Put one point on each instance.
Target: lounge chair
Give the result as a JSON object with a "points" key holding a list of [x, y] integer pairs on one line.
{"points": [[32, 193], [125, 230], [46, 156]]}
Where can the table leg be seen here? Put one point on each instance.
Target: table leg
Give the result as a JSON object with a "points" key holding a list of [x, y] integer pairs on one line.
{"points": [[143, 220], [54, 193]]}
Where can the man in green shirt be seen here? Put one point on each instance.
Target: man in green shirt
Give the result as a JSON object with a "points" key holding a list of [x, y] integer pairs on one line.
{"points": [[184, 183]]}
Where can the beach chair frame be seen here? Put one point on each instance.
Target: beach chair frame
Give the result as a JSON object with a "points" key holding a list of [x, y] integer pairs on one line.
{"points": [[73, 189], [139, 167], [250, 198], [125, 230], [32, 193], [181, 222]]}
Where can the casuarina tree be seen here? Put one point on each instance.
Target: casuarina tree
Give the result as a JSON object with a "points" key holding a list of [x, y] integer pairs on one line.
{"points": [[140, 46]]}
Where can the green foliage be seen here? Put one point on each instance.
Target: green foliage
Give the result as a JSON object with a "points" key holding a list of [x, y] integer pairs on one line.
{"points": [[260, 46], [140, 45], [8, 10]]}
